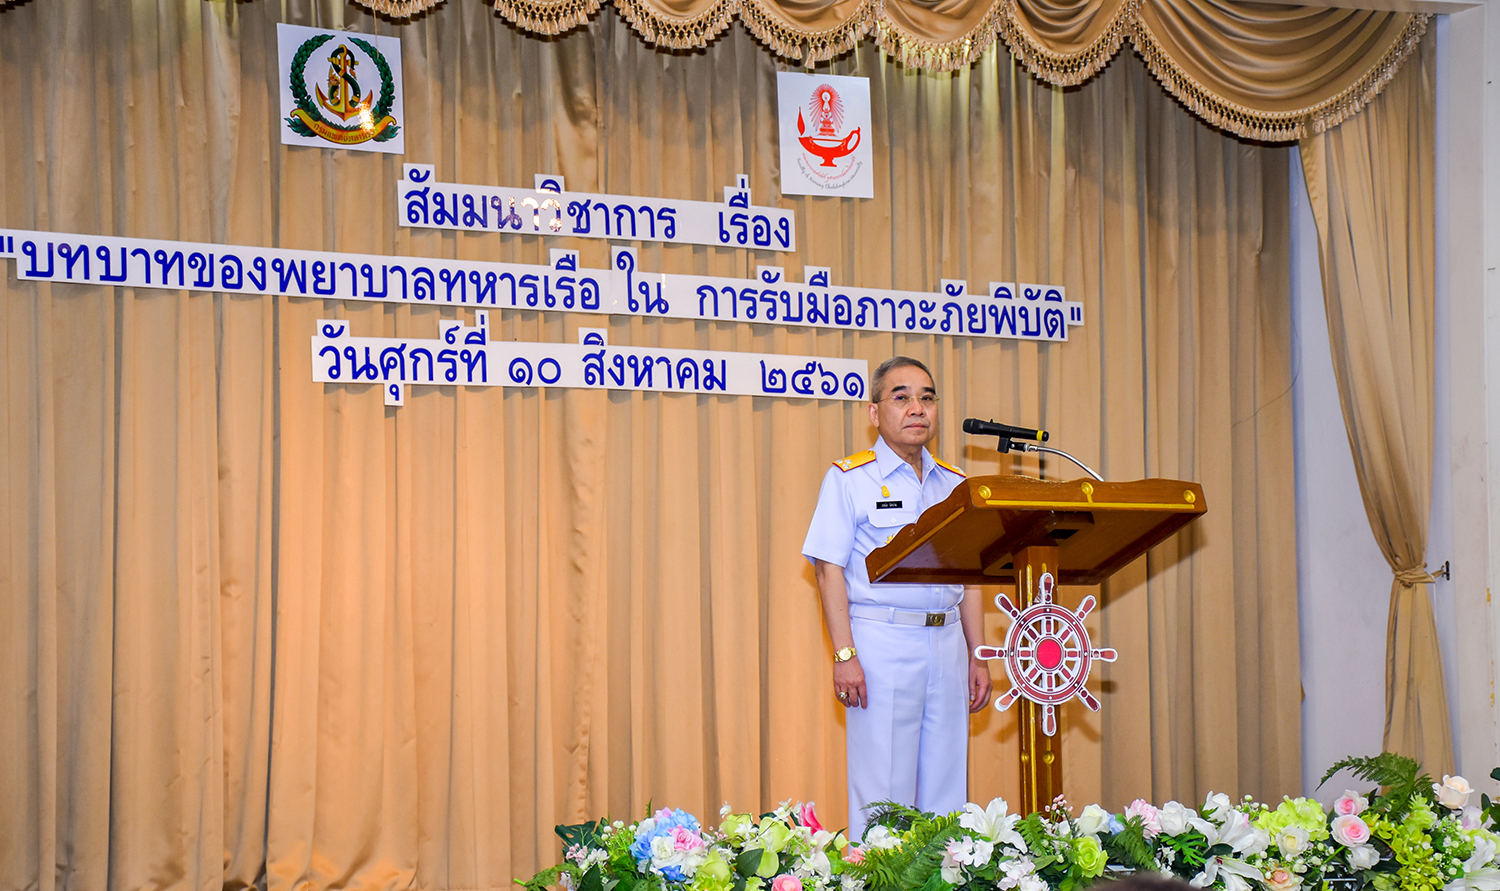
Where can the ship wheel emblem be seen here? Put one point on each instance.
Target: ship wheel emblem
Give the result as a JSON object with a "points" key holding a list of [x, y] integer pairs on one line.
{"points": [[1047, 654]]}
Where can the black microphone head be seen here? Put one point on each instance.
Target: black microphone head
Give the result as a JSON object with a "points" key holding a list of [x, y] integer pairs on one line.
{"points": [[971, 425]]}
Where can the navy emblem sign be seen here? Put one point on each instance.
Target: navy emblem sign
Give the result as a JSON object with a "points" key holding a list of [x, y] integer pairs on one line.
{"points": [[340, 89]]}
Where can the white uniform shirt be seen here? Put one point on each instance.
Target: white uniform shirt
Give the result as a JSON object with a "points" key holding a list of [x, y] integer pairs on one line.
{"points": [[862, 508]]}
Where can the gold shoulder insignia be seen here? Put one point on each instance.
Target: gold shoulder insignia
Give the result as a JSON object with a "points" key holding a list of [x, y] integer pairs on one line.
{"points": [[946, 466], [858, 459]]}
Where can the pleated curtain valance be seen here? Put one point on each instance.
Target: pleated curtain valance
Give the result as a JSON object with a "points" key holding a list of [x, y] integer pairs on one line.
{"points": [[1260, 71]]}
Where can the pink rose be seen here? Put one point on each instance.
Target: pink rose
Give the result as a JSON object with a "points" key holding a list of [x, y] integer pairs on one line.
{"points": [[685, 839], [1283, 880], [853, 854], [1147, 812], [1351, 803], [1347, 829], [808, 818], [785, 882]]}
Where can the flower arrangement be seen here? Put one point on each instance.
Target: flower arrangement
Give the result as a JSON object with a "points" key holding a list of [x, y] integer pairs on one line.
{"points": [[1407, 834]]}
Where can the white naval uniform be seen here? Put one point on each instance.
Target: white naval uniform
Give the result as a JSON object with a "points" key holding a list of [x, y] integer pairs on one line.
{"points": [[911, 744]]}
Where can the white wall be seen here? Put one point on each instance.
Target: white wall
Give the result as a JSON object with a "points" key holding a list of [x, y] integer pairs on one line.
{"points": [[1343, 582], [1464, 487]]}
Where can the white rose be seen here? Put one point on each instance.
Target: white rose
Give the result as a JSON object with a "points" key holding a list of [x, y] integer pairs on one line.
{"points": [[1174, 818], [1292, 841], [1217, 802], [1092, 820], [1453, 793], [1364, 857]]}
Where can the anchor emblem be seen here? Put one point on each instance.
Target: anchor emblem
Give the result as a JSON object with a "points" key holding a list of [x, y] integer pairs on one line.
{"points": [[827, 110], [353, 117], [343, 97]]}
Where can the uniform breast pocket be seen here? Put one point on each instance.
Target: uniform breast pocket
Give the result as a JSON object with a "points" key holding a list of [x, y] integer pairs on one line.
{"points": [[888, 521]]}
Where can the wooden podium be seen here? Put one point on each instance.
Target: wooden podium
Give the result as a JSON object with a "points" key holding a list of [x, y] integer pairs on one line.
{"points": [[1009, 530]]}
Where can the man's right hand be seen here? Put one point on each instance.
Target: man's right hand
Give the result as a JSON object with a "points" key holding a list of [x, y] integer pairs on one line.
{"points": [[849, 684]]}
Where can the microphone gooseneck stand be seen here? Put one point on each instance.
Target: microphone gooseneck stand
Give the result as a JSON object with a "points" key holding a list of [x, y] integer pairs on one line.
{"points": [[1033, 447]]}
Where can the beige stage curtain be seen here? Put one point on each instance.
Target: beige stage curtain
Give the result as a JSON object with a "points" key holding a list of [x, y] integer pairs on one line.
{"points": [[266, 632], [1262, 71], [1371, 184]]}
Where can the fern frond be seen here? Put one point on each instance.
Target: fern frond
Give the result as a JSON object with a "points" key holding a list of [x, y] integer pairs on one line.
{"points": [[544, 879], [881, 869], [892, 815], [928, 838], [1400, 776], [1038, 842], [1129, 846]]}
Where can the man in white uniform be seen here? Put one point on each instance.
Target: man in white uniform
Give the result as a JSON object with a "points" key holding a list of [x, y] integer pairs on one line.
{"points": [[903, 664]]}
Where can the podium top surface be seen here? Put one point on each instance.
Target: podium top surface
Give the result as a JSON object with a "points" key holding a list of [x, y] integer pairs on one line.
{"points": [[1099, 527]]}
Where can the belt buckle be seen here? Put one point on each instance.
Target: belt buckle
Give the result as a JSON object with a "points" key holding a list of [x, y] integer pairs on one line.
{"points": [[936, 620]]}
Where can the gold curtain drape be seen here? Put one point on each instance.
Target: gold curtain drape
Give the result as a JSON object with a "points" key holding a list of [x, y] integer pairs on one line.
{"points": [[263, 631], [1371, 185], [1262, 71]]}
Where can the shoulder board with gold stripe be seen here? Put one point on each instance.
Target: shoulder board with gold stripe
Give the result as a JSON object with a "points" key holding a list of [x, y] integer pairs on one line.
{"points": [[946, 466], [858, 459]]}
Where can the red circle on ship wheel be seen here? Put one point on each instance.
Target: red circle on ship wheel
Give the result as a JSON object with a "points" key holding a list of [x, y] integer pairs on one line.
{"points": [[1047, 653]]}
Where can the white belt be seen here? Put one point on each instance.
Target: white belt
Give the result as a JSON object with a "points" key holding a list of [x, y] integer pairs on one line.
{"points": [[904, 616]]}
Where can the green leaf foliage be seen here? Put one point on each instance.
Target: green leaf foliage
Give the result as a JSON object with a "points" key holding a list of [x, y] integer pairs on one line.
{"points": [[892, 815], [914, 866], [1192, 852], [1129, 847], [585, 833], [747, 862], [1038, 842], [929, 837], [544, 879], [1400, 776]]}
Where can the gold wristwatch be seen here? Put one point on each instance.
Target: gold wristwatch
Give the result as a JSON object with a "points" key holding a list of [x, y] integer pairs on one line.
{"points": [[844, 654]]}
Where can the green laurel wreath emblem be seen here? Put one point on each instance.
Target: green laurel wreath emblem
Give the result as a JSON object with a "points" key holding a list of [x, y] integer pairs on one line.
{"points": [[310, 108]]}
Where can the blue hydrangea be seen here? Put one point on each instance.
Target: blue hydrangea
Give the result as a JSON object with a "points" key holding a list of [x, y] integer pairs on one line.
{"points": [[661, 825]]}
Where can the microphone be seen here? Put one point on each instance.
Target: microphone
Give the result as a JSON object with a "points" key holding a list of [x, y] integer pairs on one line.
{"points": [[1004, 431]]}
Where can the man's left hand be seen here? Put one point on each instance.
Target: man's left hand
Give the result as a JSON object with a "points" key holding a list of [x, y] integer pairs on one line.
{"points": [[979, 684]]}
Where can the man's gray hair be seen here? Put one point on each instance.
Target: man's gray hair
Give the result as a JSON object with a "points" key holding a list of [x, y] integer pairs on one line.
{"points": [[877, 380]]}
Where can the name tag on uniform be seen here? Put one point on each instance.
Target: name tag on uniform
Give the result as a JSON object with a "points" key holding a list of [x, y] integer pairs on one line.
{"points": [[880, 505]]}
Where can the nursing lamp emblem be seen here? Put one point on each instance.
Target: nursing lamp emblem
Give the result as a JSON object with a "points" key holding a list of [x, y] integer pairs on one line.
{"points": [[827, 111]]}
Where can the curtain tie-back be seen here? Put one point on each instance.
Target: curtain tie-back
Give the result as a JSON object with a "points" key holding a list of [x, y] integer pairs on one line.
{"points": [[1418, 575]]}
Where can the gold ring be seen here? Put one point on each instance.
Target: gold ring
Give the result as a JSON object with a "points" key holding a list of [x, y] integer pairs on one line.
{"points": [[843, 695]]}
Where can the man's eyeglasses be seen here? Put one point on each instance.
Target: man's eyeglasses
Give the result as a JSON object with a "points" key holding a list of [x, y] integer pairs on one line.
{"points": [[902, 400]]}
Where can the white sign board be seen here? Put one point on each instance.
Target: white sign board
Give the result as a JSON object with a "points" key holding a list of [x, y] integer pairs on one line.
{"points": [[826, 146]]}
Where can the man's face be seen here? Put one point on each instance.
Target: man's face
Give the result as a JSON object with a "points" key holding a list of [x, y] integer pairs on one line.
{"points": [[905, 421]]}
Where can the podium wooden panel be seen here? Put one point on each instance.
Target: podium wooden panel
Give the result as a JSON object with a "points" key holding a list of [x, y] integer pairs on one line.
{"points": [[971, 537], [1009, 530]]}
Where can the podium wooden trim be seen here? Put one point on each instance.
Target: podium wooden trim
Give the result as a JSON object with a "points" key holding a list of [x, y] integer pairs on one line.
{"points": [[996, 530]]}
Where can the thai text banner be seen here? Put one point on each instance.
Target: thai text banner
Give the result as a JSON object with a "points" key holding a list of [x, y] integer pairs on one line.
{"points": [[464, 355], [1013, 311], [423, 202]]}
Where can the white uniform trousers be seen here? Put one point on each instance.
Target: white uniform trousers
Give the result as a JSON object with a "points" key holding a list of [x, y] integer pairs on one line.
{"points": [[911, 744]]}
